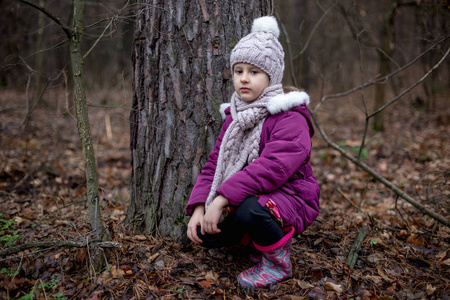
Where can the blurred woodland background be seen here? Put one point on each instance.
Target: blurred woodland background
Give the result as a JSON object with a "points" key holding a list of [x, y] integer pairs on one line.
{"points": [[379, 79]]}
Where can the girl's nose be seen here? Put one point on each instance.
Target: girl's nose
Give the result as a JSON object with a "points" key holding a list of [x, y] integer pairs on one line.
{"points": [[244, 77]]}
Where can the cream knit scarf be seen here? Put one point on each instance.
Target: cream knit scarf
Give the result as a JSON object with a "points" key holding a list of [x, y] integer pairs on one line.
{"points": [[240, 144]]}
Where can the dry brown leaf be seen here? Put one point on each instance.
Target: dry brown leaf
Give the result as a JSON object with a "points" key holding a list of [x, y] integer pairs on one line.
{"points": [[329, 286], [218, 292], [94, 297], [205, 284], [114, 272], [375, 258], [304, 285], [140, 237], [430, 289], [375, 279], [107, 276], [441, 255], [187, 280], [153, 257], [127, 271], [19, 220], [211, 276], [414, 239], [292, 297], [382, 274]]}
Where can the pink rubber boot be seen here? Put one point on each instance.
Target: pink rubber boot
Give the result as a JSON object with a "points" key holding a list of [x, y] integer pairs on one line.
{"points": [[275, 265]]}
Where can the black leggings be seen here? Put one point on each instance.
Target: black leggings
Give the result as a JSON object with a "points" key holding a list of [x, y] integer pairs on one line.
{"points": [[249, 217]]}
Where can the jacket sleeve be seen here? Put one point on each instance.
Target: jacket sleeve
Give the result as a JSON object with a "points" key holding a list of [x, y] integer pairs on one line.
{"points": [[204, 181], [286, 150]]}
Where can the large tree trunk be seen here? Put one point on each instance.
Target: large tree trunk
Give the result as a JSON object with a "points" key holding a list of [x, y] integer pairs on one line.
{"points": [[181, 75]]}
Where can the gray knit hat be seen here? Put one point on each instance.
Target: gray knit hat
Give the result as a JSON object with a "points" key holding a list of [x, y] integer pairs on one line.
{"points": [[262, 49]]}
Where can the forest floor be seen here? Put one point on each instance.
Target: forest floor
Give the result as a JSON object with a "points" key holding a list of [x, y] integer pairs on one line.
{"points": [[405, 254]]}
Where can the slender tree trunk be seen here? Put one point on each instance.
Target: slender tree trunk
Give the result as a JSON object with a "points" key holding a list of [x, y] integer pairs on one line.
{"points": [[39, 48], [74, 34], [181, 75], [84, 129], [387, 43]]}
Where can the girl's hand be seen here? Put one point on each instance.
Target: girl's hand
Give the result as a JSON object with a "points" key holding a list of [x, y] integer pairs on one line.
{"points": [[195, 221], [212, 216]]}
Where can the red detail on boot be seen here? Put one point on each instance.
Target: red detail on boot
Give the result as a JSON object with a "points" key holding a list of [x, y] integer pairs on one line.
{"points": [[278, 244]]}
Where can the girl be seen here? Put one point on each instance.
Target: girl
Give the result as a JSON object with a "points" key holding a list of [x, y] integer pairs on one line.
{"points": [[258, 182]]}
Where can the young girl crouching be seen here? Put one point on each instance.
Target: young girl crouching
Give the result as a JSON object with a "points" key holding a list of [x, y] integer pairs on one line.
{"points": [[258, 181]]}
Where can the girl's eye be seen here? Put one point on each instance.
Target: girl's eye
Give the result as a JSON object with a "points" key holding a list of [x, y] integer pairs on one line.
{"points": [[238, 71], [254, 72]]}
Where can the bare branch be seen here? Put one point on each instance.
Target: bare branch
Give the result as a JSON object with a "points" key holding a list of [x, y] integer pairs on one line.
{"points": [[380, 79], [113, 18], [63, 26], [412, 86], [313, 31], [288, 42], [56, 46]]}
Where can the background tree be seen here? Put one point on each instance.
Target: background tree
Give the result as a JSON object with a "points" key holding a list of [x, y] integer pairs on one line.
{"points": [[182, 74], [74, 34]]}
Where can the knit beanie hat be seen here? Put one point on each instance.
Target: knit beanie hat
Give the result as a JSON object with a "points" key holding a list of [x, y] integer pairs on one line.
{"points": [[262, 49]]}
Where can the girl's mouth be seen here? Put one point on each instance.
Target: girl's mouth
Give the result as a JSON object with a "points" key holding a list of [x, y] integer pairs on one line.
{"points": [[244, 89]]}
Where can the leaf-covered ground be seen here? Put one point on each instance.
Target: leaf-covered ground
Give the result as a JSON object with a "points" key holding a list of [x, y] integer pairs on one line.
{"points": [[405, 255]]}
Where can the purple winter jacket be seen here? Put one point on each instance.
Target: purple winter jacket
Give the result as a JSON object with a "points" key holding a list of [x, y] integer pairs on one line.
{"points": [[282, 172]]}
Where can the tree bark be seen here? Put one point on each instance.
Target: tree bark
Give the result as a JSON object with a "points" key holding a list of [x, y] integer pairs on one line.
{"points": [[181, 75]]}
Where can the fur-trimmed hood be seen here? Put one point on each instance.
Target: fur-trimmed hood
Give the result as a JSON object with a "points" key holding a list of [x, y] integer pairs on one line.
{"points": [[296, 101], [279, 103]]}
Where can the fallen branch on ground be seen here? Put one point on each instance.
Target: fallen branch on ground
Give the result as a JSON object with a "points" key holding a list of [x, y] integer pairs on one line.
{"points": [[353, 254], [58, 244]]}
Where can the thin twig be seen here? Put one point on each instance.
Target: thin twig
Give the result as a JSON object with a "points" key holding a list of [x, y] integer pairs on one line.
{"points": [[400, 213], [148, 286], [43, 289], [47, 49], [316, 26], [372, 220], [113, 18], [291, 64]]}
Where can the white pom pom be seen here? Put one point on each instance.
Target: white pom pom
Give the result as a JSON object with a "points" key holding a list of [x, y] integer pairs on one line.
{"points": [[267, 24]]}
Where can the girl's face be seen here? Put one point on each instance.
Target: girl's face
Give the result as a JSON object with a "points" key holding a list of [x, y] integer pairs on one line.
{"points": [[249, 81]]}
